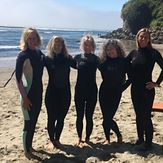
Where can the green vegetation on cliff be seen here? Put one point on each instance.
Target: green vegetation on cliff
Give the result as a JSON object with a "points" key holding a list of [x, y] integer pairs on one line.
{"points": [[142, 13]]}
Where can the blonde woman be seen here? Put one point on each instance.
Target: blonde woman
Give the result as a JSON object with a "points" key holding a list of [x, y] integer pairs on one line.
{"points": [[29, 70], [142, 62], [113, 70], [86, 88], [58, 95]]}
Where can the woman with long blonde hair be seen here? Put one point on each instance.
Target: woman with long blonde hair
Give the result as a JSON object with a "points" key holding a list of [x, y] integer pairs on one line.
{"points": [[142, 62], [86, 88], [29, 70], [58, 94]]}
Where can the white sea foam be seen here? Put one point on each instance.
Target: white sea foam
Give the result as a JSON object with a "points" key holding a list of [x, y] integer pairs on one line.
{"points": [[8, 47]]}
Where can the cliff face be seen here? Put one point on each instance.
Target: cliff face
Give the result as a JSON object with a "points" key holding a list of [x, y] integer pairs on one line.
{"points": [[137, 14]]}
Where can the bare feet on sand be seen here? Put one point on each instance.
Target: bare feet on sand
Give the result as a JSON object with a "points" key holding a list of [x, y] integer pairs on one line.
{"points": [[79, 143], [106, 142], [54, 145]]}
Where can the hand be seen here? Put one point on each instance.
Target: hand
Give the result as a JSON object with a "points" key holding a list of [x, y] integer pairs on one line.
{"points": [[27, 103], [151, 85]]}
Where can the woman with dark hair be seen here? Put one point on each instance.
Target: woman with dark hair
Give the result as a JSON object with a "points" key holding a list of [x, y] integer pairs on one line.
{"points": [[58, 93]]}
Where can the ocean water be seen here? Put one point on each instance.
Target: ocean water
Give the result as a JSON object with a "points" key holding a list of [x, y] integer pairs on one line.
{"points": [[10, 37]]}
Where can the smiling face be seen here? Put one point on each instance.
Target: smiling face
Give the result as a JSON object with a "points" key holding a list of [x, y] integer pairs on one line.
{"points": [[57, 46], [111, 51], [32, 41], [87, 47], [143, 39]]}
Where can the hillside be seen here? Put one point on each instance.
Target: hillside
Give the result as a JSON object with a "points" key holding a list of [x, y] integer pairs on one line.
{"points": [[142, 13]]}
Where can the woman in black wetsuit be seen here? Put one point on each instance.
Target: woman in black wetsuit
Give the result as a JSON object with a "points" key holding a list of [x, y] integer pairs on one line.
{"points": [[113, 70], [58, 95], [29, 70], [142, 62], [86, 88]]}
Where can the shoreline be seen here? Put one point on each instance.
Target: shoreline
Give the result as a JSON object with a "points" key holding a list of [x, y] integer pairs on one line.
{"points": [[9, 62]]}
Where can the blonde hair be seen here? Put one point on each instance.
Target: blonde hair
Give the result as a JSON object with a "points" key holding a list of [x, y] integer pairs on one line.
{"points": [[25, 35], [51, 43], [145, 30], [87, 38], [116, 44]]}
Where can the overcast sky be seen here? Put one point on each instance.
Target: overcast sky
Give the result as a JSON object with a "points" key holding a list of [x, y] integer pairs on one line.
{"points": [[78, 14]]}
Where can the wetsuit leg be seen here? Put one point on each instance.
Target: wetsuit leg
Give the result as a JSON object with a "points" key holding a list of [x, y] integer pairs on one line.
{"points": [[115, 97], [80, 108], [51, 105], [142, 101], [149, 95], [64, 99], [31, 117], [138, 102], [90, 107], [115, 128], [109, 101], [104, 108], [51, 123]]}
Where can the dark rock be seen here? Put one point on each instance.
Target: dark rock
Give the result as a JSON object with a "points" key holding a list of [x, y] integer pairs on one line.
{"points": [[124, 34]]}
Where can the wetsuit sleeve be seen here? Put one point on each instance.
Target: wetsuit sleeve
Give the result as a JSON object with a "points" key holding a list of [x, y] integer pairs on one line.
{"points": [[75, 58], [100, 66], [159, 61], [72, 62], [18, 73], [127, 70], [45, 61], [98, 62]]}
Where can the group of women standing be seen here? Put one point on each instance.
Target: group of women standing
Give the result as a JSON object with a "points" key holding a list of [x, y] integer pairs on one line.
{"points": [[112, 64]]}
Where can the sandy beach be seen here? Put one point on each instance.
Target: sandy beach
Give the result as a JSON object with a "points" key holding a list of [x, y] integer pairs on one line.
{"points": [[11, 125]]}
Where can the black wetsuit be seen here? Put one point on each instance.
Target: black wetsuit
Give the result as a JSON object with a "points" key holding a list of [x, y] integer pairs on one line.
{"points": [[113, 71], [85, 91], [29, 70], [58, 95], [142, 62]]}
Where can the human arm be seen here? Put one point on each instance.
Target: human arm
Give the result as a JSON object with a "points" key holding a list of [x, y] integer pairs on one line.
{"points": [[127, 82], [72, 62], [18, 73], [159, 60]]}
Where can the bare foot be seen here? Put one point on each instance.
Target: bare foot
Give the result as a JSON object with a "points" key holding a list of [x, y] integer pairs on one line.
{"points": [[79, 143], [50, 146], [87, 143], [106, 142]]}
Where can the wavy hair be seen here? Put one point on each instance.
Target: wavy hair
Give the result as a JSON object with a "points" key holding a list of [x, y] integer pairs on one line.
{"points": [[25, 35], [51, 43], [87, 38], [115, 43]]}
